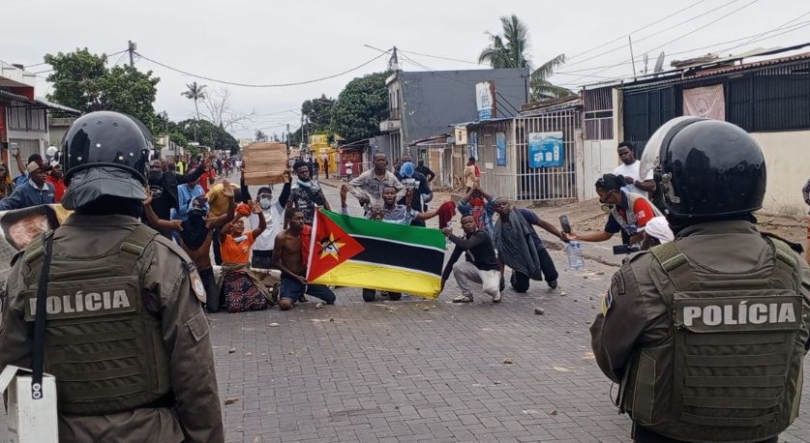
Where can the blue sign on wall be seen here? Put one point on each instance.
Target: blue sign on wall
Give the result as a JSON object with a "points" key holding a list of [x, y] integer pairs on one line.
{"points": [[546, 150], [500, 148]]}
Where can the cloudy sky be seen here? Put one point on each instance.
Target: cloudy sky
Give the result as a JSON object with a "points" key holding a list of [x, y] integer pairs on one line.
{"points": [[279, 42]]}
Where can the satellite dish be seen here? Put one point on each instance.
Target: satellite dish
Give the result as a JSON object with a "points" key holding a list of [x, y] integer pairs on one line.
{"points": [[659, 64], [646, 61]]}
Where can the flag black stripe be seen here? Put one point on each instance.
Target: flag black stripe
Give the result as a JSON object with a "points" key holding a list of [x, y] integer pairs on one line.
{"points": [[383, 252]]}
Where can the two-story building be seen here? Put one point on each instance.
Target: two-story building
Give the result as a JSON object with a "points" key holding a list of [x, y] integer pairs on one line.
{"points": [[424, 104], [24, 118]]}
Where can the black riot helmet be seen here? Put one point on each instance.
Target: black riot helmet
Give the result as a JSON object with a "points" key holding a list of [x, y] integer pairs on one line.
{"points": [[105, 154], [704, 170]]}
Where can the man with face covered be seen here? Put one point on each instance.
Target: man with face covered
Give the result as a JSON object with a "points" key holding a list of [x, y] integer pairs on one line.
{"points": [[196, 234], [305, 194], [34, 191], [273, 213]]}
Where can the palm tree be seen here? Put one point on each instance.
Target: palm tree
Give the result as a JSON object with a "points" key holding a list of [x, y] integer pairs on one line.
{"points": [[508, 50], [542, 89], [195, 92]]}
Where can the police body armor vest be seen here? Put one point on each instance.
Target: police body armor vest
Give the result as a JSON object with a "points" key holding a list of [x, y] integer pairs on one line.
{"points": [[106, 352], [730, 368]]}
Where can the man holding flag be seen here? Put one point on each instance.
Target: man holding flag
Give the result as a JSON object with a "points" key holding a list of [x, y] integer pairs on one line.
{"points": [[289, 255]]}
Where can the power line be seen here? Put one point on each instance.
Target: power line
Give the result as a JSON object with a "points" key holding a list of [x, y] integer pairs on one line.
{"points": [[439, 57], [681, 36], [797, 26], [638, 30], [655, 34], [248, 85]]}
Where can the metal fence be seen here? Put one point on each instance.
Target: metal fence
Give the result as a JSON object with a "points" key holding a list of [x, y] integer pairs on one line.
{"points": [[517, 179]]}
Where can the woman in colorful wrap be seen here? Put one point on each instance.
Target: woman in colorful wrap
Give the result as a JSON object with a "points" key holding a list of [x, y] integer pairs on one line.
{"points": [[242, 289]]}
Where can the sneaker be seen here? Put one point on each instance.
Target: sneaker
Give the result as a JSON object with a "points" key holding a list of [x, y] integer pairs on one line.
{"points": [[302, 299], [463, 299], [552, 284], [496, 298]]}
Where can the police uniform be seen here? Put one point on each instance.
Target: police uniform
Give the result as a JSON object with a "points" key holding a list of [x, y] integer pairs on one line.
{"points": [[126, 337], [706, 335]]}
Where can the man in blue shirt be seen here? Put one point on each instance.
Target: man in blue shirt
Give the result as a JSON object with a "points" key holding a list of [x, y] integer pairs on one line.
{"points": [[32, 192], [186, 193]]}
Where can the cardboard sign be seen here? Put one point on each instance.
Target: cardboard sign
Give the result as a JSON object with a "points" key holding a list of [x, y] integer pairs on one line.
{"points": [[265, 163]]}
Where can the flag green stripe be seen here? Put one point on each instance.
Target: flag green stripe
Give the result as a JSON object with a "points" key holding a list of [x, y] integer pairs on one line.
{"points": [[407, 234]]}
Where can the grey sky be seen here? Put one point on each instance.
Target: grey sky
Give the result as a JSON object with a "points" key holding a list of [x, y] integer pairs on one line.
{"points": [[252, 41]]}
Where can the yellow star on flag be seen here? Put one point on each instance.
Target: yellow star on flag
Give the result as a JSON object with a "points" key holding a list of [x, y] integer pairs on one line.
{"points": [[331, 247]]}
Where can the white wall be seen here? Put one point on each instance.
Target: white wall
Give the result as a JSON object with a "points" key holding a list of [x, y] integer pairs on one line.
{"points": [[786, 156]]}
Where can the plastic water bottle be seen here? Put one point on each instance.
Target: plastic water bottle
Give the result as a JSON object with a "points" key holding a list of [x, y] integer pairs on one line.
{"points": [[574, 252]]}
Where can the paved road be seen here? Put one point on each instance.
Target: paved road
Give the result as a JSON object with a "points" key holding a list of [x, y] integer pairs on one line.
{"points": [[417, 370]]}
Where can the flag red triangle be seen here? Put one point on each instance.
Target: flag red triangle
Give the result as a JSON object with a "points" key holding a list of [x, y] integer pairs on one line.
{"points": [[332, 246]]}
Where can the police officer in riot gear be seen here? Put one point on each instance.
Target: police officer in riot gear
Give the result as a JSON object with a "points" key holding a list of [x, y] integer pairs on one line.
{"points": [[126, 337], [706, 335]]}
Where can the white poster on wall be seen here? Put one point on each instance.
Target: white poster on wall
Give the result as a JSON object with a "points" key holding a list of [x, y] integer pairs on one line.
{"points": [[707, 102]]}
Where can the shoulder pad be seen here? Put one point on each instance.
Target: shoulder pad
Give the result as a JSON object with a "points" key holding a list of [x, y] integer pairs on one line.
{"points": [[636, 256], [16, 257], [794, 246], [174, 248]]}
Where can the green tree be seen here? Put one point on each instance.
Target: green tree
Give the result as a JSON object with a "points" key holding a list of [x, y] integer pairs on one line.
{"points": [[261, 136], [509, 49], [82, 81], [128, 90], [209, 134], [318, 112], [360, 107], [542, 89], [195, 92]]}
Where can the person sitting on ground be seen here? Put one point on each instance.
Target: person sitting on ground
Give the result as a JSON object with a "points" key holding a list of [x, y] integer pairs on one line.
{"points": [[305, 194], [478, 203], [657, 232], [195, 237], [629, 212], [520, 248], [288, 255], [480, 264], [388, 212], [218, 199], [241, 289], [368, 186], [34, 191]]}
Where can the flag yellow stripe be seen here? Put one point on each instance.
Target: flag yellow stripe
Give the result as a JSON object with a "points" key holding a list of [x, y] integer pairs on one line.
{"points": [[383, 278]]}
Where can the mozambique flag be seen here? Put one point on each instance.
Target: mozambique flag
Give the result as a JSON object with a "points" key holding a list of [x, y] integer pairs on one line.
{"points": [[355, 252]]}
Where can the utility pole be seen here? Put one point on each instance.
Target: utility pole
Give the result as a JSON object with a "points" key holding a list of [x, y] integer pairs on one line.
{"points": [[632, 59], [288, 134], [131, 48]]}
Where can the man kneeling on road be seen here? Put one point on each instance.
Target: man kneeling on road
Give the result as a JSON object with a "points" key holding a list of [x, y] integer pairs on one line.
{"points": [[289, 257], [480, 266]]}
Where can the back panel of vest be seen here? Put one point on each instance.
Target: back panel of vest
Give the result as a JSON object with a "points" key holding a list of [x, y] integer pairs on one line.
{"points": [[736, 354], [100, 345]]}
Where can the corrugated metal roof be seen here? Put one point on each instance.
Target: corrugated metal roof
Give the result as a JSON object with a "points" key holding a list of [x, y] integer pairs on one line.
{"points": [[57, 106], [12, 96], [744, 66]]}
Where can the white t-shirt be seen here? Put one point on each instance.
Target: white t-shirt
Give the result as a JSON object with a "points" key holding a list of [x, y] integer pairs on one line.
{"points": [[633, 171], [349, 167], [275, 224]]}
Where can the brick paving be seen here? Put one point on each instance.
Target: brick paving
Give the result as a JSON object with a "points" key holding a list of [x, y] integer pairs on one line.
{"points": [[431, 371]]}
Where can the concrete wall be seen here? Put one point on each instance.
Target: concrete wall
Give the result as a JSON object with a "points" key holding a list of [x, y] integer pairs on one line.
{"points": [[432, 101], [788, 170]]}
